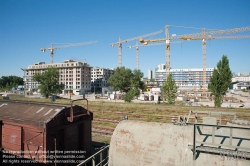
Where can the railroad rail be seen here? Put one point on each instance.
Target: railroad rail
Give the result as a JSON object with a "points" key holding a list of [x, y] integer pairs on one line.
{"points": [[104, 131]]}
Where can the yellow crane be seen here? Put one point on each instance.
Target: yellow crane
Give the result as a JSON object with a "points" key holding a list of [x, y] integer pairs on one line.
{"points": [[203, 36], [119, 43], [143, 45], [52, 49]]}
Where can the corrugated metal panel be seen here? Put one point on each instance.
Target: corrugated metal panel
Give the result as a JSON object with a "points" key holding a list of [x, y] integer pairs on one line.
{"points": [[30, 113], [11, 137], [33, 145]]}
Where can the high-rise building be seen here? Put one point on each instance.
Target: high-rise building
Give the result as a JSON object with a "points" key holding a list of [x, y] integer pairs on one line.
{"points": [[184, 78]]}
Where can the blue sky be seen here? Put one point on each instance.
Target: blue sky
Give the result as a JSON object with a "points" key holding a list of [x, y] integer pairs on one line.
{"points": [[28, 25]]}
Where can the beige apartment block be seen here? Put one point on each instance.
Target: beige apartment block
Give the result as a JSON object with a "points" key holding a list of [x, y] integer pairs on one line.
{"points": [[76, 76]]}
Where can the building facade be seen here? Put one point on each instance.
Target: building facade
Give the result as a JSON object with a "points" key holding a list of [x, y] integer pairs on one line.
{"points": [[184, 78], [150, 74], [240, 81], [241, 78], [99, 78], [76, 76]]}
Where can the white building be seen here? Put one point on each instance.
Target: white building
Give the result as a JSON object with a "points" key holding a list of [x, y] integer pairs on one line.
{"points": [[241, 78], [240, 81], [150, 74], [184, 78], [76, 76], [99, 78]]}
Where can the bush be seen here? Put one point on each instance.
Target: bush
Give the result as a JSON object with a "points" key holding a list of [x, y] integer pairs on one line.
{"points": [[130, 95]]}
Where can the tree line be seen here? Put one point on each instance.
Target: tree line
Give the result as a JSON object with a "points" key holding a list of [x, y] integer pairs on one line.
{"points": [[8, 82]]}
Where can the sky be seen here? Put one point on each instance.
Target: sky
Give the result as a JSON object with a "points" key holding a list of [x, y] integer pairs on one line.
{"points": [[26, 26]]}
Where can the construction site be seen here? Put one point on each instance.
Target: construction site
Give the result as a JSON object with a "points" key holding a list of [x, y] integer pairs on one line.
{"points": [[148, 131]]}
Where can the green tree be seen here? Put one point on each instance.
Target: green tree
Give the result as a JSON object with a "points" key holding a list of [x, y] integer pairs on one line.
{"points": [[220, 80], [169, 88], [8, 82], [49, 82], [127, 81], [130, 95]]}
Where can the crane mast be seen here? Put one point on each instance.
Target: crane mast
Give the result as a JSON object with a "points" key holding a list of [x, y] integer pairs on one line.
{"points": [[167, 53], [120, 53], [204, 68], [52, 49], [137, 56]]}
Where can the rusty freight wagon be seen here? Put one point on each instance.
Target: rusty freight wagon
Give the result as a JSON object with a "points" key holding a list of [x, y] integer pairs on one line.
{"points": [[47, 134]]}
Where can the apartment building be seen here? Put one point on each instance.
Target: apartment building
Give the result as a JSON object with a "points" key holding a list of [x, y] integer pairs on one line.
{"points": [[76, 76], [99, 78], [241, 78], [184, 78], [240, 81]]}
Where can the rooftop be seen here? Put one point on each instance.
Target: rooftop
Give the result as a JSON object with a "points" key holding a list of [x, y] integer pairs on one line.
{"points": [[30, 113]]}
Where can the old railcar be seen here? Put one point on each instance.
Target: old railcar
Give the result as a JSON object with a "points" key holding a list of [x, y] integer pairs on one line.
{"points": [[48, 134]]}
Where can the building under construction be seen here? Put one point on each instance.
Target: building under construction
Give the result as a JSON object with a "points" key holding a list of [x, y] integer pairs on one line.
{"points": [[186, 79]]}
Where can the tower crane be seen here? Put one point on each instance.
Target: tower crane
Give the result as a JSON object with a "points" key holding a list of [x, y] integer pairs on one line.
{"points": [[203, 36], [144, 45], [52, 49], [119, 43]]}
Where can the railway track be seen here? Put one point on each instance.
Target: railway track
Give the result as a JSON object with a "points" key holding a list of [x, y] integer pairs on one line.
{"points": [[122, 114], [104, 131], [106, 120], [167, 117]]}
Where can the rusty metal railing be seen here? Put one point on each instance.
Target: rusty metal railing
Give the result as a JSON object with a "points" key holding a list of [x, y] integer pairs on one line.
{"points": [[103, 161], [71, 117]]}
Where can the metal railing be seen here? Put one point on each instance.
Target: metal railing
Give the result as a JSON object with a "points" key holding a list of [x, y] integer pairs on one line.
{"points": [[219, 148], [209, 113], [103, 161], [185, 120]]}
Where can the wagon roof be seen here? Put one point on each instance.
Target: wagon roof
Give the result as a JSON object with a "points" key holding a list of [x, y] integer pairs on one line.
{"points": [[32, 113]]}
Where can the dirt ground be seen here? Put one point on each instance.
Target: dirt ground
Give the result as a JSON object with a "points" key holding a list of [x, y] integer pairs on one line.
{"points": [[242, 97]]}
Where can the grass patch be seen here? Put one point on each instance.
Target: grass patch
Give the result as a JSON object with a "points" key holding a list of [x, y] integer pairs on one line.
{"points": [[101, 109]]}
